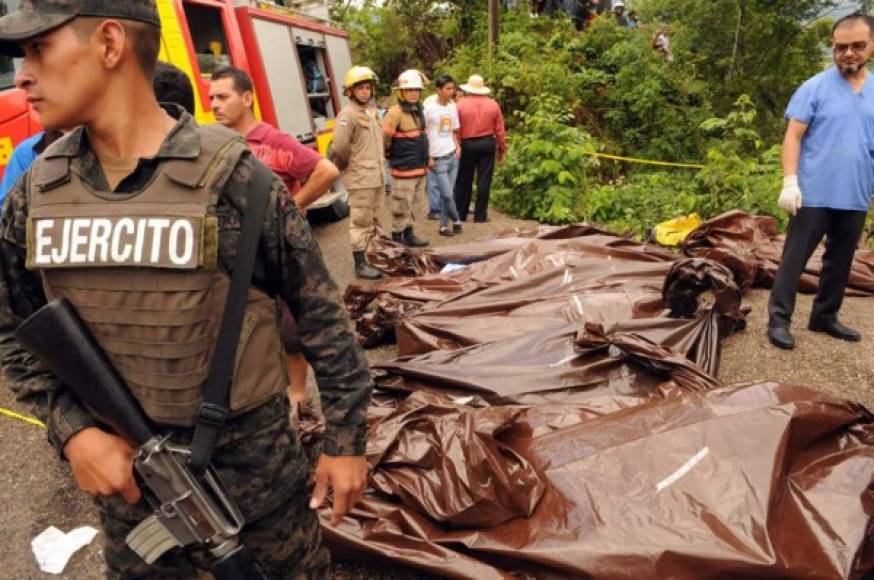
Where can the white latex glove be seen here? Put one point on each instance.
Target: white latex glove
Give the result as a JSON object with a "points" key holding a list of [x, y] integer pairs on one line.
{"points": [[790, 197]]}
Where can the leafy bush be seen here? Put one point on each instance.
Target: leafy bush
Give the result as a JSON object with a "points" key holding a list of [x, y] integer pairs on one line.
{"points": [[550, 175], [645, 200], [739, 172], [548, 166]]}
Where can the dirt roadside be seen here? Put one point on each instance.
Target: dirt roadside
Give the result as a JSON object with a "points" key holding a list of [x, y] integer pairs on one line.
{"points": [[36, 490]]}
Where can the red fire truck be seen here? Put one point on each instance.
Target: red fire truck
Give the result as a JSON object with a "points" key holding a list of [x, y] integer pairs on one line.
{"points": [[297, 60]]}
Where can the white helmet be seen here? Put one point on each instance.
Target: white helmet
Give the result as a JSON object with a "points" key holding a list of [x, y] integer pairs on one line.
{"points": [[619, 4], [411, 79]]}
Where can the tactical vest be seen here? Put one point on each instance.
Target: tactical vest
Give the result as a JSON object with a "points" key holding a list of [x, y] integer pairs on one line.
{"points": [[141, 270]]}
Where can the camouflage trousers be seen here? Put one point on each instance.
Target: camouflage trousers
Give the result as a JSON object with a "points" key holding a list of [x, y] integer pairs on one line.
{"points": [[262, 464], [407, 200]]}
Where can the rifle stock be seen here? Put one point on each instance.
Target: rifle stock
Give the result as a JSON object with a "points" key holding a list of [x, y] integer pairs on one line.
{"points": [[56, 334]]}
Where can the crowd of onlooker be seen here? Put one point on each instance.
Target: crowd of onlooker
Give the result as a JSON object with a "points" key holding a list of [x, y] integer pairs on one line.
{"points": [[584, 12]]}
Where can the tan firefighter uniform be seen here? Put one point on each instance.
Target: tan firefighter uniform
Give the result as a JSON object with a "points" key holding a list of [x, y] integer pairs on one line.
{"points": [[359, 154]]}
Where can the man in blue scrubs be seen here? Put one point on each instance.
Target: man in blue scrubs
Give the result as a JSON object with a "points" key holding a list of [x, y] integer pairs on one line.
{"points": [[828, 168]]}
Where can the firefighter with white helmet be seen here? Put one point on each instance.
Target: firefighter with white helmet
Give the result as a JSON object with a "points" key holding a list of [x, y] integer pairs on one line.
{"points": [[406, 146], [359, 153]]}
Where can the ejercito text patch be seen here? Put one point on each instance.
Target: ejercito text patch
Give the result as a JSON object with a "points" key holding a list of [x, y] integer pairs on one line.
{"points": [[75, 242]]}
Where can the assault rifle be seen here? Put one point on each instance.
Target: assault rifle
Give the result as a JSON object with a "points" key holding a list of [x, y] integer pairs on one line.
{"points": [[189, 510]]}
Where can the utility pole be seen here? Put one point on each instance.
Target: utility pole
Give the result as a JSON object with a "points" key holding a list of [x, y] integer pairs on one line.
{"points": [[493, 31]]}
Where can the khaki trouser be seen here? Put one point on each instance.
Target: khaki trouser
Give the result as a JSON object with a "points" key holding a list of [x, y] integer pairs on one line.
{"points": [[407, 199], [364, 208]]}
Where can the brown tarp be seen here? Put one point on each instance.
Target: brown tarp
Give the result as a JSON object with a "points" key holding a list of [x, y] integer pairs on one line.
{"points": [[761, 480], [398, 260], [376, 310], [560, 419], [750, 247], [581, 290]]}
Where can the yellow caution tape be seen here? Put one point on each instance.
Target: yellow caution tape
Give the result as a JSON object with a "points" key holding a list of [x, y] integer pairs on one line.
{"points": [[21, 417], [647, 161]]}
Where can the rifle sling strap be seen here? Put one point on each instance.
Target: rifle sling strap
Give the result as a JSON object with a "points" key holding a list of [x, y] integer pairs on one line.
{"points": [[215, 407]]}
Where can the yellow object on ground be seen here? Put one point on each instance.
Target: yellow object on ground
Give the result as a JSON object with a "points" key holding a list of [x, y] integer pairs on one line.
{"points": [[672, 232]]}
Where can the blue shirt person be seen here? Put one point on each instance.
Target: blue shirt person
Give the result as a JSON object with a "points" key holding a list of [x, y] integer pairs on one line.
{"points": [[828, 178], [836, 168], [22, 156]]}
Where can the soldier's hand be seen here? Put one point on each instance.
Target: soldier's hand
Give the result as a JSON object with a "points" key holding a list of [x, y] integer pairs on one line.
{"points": [[346, 475], [102, 463]]}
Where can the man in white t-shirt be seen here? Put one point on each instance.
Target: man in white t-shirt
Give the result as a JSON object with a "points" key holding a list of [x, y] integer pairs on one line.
{"points": [[441, 122]]}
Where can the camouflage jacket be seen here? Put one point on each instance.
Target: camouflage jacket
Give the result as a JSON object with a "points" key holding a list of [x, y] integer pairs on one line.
{"points": [[289, 265]]}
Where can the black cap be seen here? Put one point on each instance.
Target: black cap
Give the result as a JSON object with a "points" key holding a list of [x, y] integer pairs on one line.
{"points": [[35, 17]]}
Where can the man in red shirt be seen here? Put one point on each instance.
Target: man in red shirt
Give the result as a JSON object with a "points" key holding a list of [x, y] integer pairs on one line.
{"points": [[483, 137], [231, 96]]}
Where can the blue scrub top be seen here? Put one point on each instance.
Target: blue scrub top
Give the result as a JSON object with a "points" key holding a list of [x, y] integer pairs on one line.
{"points": [[836, 169], [19, 162]]}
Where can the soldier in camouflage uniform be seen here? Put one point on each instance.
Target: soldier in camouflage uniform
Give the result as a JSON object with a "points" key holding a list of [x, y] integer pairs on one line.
{"points": [[85, 64]]}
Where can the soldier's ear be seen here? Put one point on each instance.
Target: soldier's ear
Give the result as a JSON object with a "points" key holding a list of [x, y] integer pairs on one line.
{"points": [[111, 36]]}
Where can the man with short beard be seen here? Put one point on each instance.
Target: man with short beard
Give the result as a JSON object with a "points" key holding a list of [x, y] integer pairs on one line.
{"points": [[828, 168]]}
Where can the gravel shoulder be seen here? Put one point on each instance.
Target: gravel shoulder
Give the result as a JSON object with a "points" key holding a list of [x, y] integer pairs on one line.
{"points": [[36, 489]]}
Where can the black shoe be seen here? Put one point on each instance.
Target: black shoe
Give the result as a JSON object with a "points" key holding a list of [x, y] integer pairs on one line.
{"points": [[433, 216], [363, 269], [445, 231], [781, 337], [835, 329], [397, 237], [456, 228], [482, 221], [411, 240]]}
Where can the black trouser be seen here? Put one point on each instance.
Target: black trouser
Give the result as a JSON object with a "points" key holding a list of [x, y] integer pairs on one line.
{"points": [[842, 229], [477, 155]]}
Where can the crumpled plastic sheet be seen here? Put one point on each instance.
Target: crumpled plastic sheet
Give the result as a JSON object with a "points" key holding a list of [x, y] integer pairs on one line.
{"points": [[532, 438], [570, 364], [414, 454], [746, 481], [396, 259], [376, 310], [581, 290], [750, 247]]}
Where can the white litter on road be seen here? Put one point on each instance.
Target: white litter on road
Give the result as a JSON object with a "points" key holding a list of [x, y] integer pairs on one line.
{"points": [[53, 548]]}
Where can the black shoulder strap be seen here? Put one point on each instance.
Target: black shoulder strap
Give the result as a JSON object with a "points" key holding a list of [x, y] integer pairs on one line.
{"points": [[214, 409]]}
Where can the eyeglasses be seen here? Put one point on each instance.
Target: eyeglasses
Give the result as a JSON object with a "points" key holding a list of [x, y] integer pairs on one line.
{"points": [[856, 47]]}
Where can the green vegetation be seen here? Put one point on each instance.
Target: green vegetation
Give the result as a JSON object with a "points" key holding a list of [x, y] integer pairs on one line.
{"points": [[567, 95]]}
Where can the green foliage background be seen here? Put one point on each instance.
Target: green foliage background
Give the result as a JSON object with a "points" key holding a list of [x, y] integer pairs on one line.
{"points": [[569, 94]]}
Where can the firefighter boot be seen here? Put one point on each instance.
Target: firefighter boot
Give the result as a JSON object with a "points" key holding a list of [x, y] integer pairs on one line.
{"points": [[411, 241], [397, 237], [363, 269]]}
